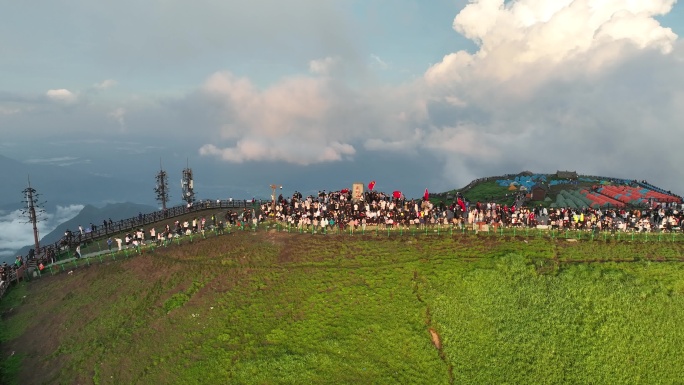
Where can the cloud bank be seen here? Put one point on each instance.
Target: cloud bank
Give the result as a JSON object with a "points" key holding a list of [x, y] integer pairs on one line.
{"points": [[17, 233], [567, 83], [300, 120], [552, 84]]}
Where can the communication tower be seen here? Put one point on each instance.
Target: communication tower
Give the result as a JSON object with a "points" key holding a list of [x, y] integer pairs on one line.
{"points": [[187, 186]]}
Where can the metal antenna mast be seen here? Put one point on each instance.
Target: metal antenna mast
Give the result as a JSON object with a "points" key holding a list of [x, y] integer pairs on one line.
{"points": [[162, 188], [33, 210]]}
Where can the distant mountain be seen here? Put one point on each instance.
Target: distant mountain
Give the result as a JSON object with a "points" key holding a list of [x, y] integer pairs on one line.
{"points": [[91, 214], [67, 185]]}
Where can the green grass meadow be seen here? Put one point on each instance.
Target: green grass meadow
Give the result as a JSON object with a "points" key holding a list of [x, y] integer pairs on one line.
{"points": [[278, 308]]}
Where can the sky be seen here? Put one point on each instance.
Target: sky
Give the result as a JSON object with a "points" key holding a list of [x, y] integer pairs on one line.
{"points": [[317, 94]]}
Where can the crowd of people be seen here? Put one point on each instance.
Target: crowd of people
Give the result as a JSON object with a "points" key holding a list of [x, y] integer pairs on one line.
{"points": [[5, 270], [337, 208], [4, 278], [377, 209], [326, 211], [8, 272], [198, 225]]}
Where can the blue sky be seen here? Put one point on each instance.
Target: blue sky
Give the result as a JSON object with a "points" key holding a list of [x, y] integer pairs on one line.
{"points": [[76, 44], [355, 90]]}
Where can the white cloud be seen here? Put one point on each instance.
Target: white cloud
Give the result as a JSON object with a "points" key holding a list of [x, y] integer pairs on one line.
{"points": [[119, 115], [378, 63], [460, 140], [57, 161], [406, 144], [16, 232], [61, 95], [5, 110], [302, 119], [290, 121], [105, 84], [516, 38], [297, 153], [323, 66]]}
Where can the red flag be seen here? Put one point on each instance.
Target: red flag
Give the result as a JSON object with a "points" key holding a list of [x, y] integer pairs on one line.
{"points": [[344, 190], [371, 185], [397, 194], [461, 204], [426, 195]]}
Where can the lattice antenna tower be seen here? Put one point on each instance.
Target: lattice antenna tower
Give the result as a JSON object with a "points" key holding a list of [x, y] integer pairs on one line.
{"points": [[162, 188], [187, 185], [33, 210]]}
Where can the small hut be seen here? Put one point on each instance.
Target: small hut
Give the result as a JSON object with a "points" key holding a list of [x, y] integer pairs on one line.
{"points": [[571, 175], [538, 192]]}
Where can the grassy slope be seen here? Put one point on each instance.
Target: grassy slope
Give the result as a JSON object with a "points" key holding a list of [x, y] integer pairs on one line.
{"points": [[279, 308]]}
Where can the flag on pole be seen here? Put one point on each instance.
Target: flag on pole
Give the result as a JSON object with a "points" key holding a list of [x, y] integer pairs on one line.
{"points": [[426, 195], [371, 185]]}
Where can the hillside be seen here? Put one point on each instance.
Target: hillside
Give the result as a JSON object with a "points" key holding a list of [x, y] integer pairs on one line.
{"points": [[563, 189], [271, 307]]}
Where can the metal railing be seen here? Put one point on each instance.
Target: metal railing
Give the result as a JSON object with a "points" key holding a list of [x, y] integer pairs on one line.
{"points": [[56, 249]]}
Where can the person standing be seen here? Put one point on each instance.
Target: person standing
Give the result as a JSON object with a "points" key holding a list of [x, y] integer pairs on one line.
{"points": [[78, 251], [109, 244]]}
